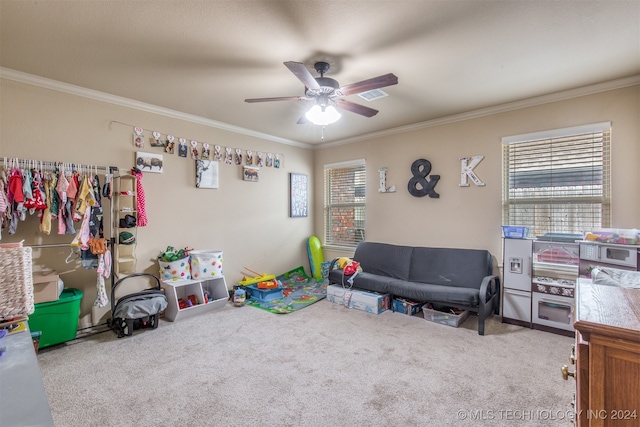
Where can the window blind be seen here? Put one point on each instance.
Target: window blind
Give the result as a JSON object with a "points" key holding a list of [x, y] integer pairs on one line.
{"points": [[344, 203], [558, 184]]}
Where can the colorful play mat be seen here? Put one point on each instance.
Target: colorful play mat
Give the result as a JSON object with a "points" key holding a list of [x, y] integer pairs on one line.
{"points": [[299, 291]]}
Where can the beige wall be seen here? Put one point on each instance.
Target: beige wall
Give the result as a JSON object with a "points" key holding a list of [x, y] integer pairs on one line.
{"points": [[248, 221], [470, 217]]}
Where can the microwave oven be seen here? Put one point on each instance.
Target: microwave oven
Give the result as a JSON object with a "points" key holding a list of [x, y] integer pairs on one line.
{"points": [[617, 255]]}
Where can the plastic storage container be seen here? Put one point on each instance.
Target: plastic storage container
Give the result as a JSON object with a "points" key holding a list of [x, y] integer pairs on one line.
{"points": [[264, 295], [57, 320], [515, 232], [443, 317], [618, 236]]}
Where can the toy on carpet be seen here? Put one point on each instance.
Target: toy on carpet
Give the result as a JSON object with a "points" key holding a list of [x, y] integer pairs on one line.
{"points": [[239, 296], [297, 290], [316, 258], [264, 281], [348, 265], [350, 268]]}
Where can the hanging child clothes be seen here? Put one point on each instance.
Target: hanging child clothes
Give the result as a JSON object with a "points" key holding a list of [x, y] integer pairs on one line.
{"points": [[45, 219], [142, 211], [26, 185], [35, 201], [61, 189], [104, 271], [4, 206], [15, 196], [55, 197]]}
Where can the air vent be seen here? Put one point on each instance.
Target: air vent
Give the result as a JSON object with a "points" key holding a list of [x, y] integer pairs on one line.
{"points": [[370, 95]]}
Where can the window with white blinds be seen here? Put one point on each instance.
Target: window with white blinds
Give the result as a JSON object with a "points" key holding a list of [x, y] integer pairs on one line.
{"points": [[557, 181], [344, 203]]}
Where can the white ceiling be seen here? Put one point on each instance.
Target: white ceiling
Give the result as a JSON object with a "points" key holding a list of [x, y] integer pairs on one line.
{"points": [[205, 57]]}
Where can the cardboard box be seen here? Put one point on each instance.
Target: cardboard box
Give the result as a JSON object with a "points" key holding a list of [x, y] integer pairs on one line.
{"points": [[369, 302], [45, 286], [446, 318], [405, 306]]}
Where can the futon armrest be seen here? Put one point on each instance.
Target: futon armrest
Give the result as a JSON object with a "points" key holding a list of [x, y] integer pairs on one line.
{"points": [[489, 287]]}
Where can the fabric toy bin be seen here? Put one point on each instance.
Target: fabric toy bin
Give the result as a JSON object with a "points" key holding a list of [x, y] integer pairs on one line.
{"points": [[175, 270], [444, 317], [263, 295], [206, 264], [57, 320]]}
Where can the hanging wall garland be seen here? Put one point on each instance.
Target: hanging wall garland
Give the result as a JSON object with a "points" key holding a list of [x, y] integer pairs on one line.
{"points": [[190, 148]]}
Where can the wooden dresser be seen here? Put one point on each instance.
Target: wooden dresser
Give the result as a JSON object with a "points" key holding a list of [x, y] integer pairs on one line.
{"points": [[607, 356]]}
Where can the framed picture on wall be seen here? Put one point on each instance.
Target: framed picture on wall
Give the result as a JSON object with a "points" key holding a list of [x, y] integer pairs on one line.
{"points": [[206, 174], [149, 162], [250, 173], [298, 195]]}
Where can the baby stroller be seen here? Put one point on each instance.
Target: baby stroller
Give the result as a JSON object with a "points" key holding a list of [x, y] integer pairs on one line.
{"points": [[137, 310]]}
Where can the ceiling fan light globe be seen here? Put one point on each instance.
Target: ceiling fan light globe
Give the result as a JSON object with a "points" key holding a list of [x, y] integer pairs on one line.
{"points": [[322, 117]]}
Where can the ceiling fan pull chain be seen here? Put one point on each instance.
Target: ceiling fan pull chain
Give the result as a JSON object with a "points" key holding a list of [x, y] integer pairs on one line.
{"points": [[322, 135]]}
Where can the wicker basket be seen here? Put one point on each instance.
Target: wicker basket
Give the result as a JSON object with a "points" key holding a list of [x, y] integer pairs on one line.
{"points": [[16, 282]]}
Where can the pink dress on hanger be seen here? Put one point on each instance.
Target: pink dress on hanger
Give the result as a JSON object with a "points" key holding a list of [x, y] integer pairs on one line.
{"points": [[142, 210]]}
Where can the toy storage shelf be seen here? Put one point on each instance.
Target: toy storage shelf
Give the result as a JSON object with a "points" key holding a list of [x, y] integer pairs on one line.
{"points": [[215, 288]]}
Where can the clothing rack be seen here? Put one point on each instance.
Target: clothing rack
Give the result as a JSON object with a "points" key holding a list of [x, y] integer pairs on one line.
{"points": [[52, 166], [14, 162], [110, 242], [51, 245]]}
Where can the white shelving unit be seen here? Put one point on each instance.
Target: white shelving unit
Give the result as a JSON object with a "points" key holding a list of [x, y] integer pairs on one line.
{"points": [[215, 288], [125, 194]]}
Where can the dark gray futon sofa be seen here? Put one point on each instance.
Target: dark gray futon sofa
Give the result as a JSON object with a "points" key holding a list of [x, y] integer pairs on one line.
{"points": [[461, 278]]}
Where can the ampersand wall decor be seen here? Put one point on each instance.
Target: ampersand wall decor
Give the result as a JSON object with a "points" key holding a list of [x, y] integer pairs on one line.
{"points": [[419, 185]]}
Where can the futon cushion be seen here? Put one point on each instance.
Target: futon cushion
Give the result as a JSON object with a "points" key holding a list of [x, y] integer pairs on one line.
{"points": [[462, 268], [454, 296], [363, 280], [383, 259]]}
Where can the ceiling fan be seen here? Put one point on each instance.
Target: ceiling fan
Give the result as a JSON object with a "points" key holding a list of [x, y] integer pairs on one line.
{"points": [[327, 92]]}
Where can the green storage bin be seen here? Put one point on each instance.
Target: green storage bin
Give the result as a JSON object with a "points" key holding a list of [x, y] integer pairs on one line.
{"points": [[57, 320]]}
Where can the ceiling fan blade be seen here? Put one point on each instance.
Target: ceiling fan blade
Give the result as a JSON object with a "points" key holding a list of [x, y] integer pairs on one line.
{"points": [[303, 120], [302, 74], [280, 98], [370, 84], [356, 108]]}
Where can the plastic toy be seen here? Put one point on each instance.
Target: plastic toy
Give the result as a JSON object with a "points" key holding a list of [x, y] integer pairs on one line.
{"points": [[192, 300], [257, 279], [316, 258], [239, 296], [270, 284]]}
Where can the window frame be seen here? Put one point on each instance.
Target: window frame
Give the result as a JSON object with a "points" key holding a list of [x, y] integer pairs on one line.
{"points": [[331, 238], [580, 201]]}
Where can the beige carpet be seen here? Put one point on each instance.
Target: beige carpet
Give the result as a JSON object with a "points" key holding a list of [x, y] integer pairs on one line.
{"points": [[325, 365]]}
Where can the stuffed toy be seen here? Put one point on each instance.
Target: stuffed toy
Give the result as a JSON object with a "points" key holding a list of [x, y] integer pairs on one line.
{"points": [[342, 262], [348, 265]]}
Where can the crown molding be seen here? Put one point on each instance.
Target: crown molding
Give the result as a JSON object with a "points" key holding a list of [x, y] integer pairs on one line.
{"points": [[20, 77], [503, 108]]}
